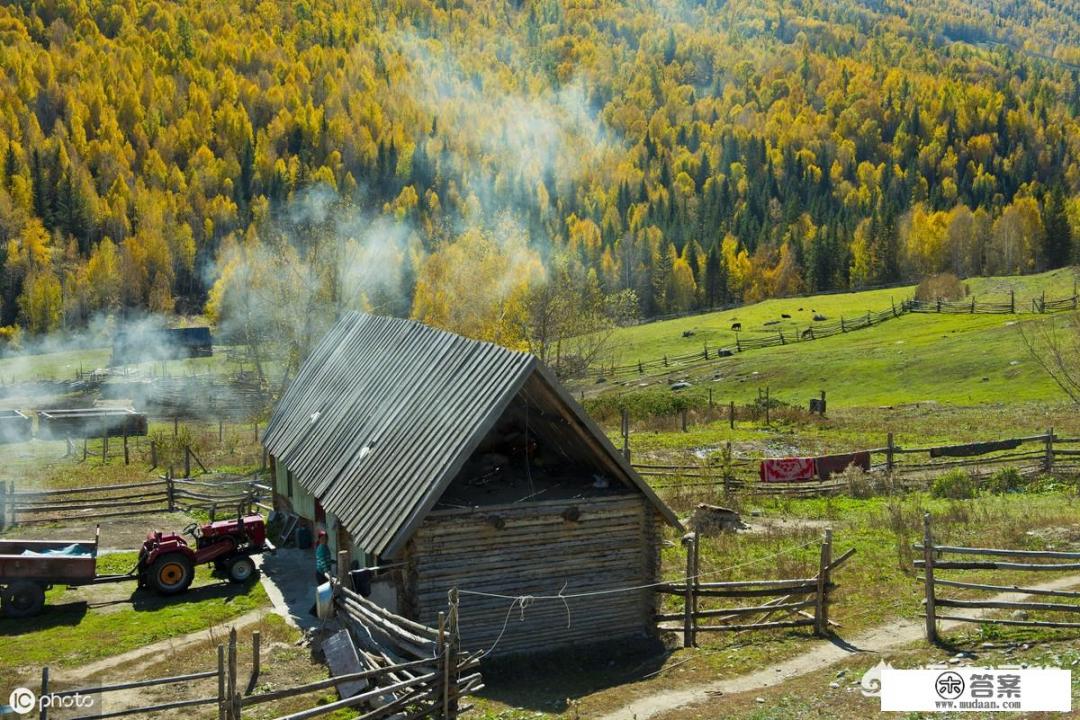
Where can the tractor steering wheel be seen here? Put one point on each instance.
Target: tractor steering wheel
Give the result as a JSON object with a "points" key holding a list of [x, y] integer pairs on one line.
{"points": [[191, 530]]}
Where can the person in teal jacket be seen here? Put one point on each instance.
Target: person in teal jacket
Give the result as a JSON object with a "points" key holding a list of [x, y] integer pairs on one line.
{"points": [[322, 559], [322, 564]]}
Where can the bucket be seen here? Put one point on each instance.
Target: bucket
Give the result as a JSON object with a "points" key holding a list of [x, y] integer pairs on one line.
{"points": [[324, 601]]}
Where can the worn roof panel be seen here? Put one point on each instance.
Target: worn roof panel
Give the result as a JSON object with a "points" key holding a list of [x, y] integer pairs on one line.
{"points": [[385, 412]]}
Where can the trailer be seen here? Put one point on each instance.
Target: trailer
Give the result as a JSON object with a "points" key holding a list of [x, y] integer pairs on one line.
{"points": [[30, 567]]}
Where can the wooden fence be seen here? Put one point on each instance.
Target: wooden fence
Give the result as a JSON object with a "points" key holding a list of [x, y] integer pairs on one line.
{"points": [[165, 494], [932, 563], [410, 672], [906, 468], [794, 603]]}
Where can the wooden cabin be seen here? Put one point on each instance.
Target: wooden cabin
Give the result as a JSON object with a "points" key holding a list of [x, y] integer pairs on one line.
{"points": [[451, 463]]}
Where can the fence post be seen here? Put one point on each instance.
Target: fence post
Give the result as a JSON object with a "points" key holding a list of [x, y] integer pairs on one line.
{"points": [[821, 614], [187, 461], [220, 431], [170, 491], [682, 418], [153, 454], [444, 662], [767, 403], [256, 661], [452, 656], [43, 713], [127, 457], [221, 681], [843, 327], [689, 540], [731, 415], [939, 305], [822, 410], [230, 691], [625, 427], [3, 504], [1012, 302], [1048, 462], [706, 351], [1042, 302], [781, 334], [176, 426], [890, 449], [928, 562], [710, 399]]}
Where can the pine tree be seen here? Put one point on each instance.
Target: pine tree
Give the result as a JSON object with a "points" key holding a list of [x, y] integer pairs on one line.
{"points": [[1057, 237]]}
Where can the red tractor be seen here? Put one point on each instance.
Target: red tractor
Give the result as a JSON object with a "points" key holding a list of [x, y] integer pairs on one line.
{"points": [[167, 561]]}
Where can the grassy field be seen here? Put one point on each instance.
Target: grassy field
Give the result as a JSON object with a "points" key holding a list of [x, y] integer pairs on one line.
{"points": [[653, 340]]}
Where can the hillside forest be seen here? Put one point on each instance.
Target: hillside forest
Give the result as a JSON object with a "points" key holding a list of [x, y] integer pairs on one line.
{"points": [[521, 170]]}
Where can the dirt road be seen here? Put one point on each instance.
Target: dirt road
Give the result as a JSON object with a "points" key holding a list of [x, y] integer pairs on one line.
{"points": [[883, 638]]}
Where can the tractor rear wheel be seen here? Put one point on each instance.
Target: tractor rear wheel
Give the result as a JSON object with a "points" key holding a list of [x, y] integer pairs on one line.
{"points": [[241, 568], [172, 573], [22, 598]]}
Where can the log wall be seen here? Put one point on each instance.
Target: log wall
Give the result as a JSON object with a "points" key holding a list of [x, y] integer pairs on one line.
{"points": [[533, 549]]}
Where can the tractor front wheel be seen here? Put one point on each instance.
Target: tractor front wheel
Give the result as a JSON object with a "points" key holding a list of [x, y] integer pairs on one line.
{"points": [[22, 598], [241, 568], [172, 573]]}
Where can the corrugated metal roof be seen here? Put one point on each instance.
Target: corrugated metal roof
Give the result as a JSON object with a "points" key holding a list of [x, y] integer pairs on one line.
{"points": [[385, 412]]}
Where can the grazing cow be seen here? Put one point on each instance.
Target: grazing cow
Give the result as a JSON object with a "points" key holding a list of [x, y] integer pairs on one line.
{"points": [[736, 326], [772, 322], [819, 318], [724, 352], [785, 316], [688, 333], [800, 310]]}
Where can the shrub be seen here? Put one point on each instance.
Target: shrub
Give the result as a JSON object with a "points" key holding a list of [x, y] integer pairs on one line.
{"points": [[945, 286], [954, 485], [1005, 480]]}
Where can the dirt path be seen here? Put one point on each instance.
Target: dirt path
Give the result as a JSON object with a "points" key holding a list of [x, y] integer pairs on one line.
{"points": [[883, 638], [154, 652]]}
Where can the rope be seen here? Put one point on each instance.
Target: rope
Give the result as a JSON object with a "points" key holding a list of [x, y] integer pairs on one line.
{"points": [[524, 601]]}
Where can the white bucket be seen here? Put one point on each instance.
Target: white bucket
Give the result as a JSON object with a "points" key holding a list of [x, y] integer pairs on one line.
{"points": [[324, 601]]}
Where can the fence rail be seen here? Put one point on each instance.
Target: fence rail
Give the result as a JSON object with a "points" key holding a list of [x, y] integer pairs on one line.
{"points": [[1054, 453], [795, 603], [931, 563], [166, 494]]}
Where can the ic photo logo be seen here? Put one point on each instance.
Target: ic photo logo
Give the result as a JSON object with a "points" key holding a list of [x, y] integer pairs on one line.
{"points": [[22, 700], [949, 686]]}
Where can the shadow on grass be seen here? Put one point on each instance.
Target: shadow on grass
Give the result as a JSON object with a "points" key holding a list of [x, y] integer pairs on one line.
{"points": [[143, 600], [548, 682], [65, 614]]}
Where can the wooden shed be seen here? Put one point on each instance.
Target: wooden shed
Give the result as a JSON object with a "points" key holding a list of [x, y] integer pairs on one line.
{"points": [[452, 463]]}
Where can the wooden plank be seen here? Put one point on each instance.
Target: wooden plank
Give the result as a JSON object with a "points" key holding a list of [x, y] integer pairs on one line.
{"points": [[997, 551], [1003, 588], [1002, 621], [993, 565], [1007, 605]]}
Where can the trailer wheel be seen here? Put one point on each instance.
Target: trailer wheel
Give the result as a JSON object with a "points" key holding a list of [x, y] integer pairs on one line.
{"points": [[172, 573], [22, 598], [241, 569]]}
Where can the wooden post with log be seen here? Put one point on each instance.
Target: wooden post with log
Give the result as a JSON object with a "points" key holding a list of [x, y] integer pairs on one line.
{"points": [[690, 541], [928, 570], [625, 429], [890, 453], [222, 701], [821, 603], [1048, 460], [731, 415], [232, 699]]}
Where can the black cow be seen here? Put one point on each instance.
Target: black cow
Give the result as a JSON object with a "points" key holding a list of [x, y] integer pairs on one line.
{"points": [[785, 316], [736, 326]]}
